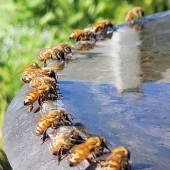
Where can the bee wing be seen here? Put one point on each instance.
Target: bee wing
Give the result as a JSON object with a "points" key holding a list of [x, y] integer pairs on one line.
{"points": [[31, 91], [19, 72]]}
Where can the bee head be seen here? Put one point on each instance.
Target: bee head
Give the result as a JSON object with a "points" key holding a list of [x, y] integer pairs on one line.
{"points": [[67, 49], [72, 35], [104, 143], [139, 12], [26, 79], [60, 55]]}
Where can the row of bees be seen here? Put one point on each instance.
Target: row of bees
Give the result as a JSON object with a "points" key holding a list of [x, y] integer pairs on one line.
{"points": [[43, 82]]}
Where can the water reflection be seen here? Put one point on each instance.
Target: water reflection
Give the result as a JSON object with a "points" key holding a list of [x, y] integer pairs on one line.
{"points": [[138, 25], [126, 60]]}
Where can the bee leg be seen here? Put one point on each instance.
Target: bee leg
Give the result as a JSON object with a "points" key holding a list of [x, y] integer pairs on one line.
{"points": [[93, 157], [78, 38], [57, 89], [30, 108], [63, 56], [95, 39], [39, 103], [59, 155], [60, 158], [126, 164], [89, 161], [52, 74], [45, 136], [102, 164], [53, 125], [45, 63]]}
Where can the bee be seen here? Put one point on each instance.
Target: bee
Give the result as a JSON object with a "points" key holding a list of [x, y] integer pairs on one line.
{"points": [[32, 65], [63, 142], [29, 67], [66, 48], [38, 81], [97, 144], [40, 94], [118, 159], [92, 146], [63, 47], [102, 26], [48, 72], [29, 74], [136, 12], [79, 153], [49, 53], [85, 34], [53, 118]]}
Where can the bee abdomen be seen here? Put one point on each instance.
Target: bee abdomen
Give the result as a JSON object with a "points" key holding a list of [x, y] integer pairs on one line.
{"points": [[53, 148], [112, 166], [41, 127], [39, 130]]}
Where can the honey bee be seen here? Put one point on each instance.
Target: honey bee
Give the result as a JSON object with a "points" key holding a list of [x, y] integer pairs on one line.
{"points": [[49, 53], [92, 146], [85, 34], [118, 159], [63, 142], [66, 48], [79, 153], [40, 94], [134, 13], [48, 72], [29, 67], [102, 26], [63, 47], [38, 81], [32, 65], [29, 74], [53, 118]]}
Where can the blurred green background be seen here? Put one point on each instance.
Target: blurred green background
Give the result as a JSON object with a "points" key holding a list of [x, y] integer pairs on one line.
{"points": [[29, 26]]}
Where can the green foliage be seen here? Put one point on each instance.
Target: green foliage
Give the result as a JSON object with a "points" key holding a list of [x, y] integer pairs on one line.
{"points": [[4, 161], [29, 26]]}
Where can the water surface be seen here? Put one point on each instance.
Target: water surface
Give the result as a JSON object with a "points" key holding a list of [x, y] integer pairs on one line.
{"points": [[120, 90]]}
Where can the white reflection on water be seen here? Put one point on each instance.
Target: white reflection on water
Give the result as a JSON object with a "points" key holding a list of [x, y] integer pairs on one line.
{"points": [[126, 55]]}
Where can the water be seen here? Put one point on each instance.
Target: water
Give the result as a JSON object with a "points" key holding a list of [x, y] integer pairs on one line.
{"points": [[120, 90]]}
